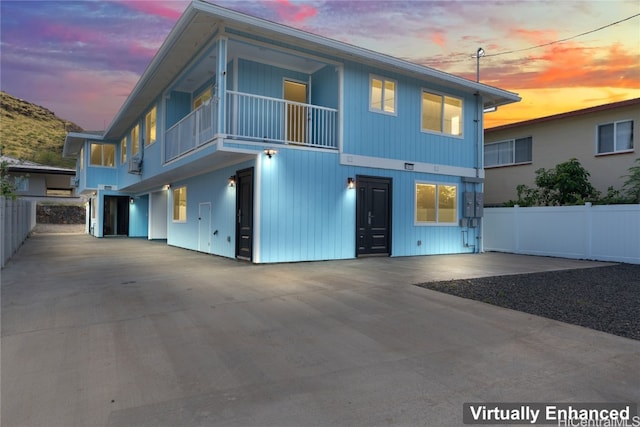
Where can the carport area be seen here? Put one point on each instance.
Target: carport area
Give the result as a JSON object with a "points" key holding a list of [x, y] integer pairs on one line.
{"points": [[127, 332]]}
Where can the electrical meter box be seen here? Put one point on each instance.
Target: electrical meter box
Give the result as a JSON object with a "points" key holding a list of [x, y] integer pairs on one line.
{"points": [[473, 204], [479, 205]]}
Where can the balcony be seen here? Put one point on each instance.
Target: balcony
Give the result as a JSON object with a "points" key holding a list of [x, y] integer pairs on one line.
{"points": [[255, 118]]}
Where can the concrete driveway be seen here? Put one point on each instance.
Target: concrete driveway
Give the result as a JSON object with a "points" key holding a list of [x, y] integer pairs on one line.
{"points": [[126, 332]]}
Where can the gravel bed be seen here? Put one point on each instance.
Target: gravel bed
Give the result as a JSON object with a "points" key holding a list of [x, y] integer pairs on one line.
{"points": [[602, 298]]}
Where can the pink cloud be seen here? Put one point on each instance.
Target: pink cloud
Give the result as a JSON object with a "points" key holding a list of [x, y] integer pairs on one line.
{"points": [[157, 8], [439, 38], [294, 13]]}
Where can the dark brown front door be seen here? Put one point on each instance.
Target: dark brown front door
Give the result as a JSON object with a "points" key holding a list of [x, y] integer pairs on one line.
{"points": [[373, 216], [244, 214]]}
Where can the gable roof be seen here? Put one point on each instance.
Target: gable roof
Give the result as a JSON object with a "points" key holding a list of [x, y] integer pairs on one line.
{"points": [[560, 116], [25, 166], [201, 21]]}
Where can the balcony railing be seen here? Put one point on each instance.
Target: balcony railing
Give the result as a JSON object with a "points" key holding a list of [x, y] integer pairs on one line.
{"points": [[256, 118], [192, 131]]}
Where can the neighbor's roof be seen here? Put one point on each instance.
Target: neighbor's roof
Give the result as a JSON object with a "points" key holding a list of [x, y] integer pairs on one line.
{"points": [[25, 166], [202, 20], [569, 114]]}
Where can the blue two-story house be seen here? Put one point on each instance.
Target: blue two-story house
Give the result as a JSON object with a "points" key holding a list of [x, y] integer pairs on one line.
{"points": [[253, 140]]}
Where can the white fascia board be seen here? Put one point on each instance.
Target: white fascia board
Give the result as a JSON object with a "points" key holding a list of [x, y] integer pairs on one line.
{"points": [[401, 165]]}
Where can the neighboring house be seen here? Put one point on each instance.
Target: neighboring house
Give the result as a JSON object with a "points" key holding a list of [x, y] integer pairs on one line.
{"points": [[253, 140], [36, 181], [601, 138]]}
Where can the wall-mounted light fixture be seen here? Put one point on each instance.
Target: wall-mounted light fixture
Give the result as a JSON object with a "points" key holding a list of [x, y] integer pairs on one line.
{"points": [[232, 181], [350, 183], [270, 152], [131, 200], [167, 186]]}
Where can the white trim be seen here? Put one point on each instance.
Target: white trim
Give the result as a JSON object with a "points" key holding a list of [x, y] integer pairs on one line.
{"points": [[420, 167], [257, 192], [442, 104]]}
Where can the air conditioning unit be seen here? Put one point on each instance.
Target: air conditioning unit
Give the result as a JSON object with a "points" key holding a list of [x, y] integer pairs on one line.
{"points": [[74, 181], [135, 165]]}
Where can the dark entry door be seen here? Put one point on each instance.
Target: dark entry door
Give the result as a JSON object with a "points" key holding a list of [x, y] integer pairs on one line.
{"points": [[373, 216], [115, 219], [244, 214]]}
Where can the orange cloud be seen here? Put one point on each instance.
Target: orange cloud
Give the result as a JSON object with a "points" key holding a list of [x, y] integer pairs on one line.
{"points": [[438, 37], [534, 37]]}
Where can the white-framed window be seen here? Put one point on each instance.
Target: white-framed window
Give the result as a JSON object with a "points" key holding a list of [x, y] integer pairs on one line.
{"points": [[511, 152], [436, 204], [382, 95], [123, 150], [103, 155], [202, 98], [441, 113], [135, 140], [614, 137], [180, 204], [150, 127], [21, 183]]}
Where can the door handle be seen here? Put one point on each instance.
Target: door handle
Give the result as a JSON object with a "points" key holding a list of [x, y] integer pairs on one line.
{"points": [[369, 216], [239, 216]]}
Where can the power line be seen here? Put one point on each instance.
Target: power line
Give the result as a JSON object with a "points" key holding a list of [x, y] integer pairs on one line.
{"points": [[564, 40]]}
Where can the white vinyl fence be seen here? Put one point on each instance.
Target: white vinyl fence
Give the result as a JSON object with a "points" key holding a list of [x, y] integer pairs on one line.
{"points": [[17, 219], [604, 233]]}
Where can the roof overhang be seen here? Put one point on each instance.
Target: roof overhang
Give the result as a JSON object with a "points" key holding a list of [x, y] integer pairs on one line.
{"points": [[200, 23], [74, 141]]}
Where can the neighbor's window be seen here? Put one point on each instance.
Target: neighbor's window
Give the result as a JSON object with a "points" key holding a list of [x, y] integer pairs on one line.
{"points": [[202, 98], [150, 127], [615, 137], [135, 140], [441, 113], [103, 155], [180, 204], [382, 95], [511, 152], [21, 183], [123, 150], [436, 203]]}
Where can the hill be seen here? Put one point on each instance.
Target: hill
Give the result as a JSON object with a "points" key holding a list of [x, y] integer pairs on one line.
{"points": [[31, 132]]}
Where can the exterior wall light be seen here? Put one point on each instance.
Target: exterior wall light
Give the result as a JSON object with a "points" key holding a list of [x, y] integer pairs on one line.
{"points": [[232, 181], [350, 183], [270, 152], [131, 200]]}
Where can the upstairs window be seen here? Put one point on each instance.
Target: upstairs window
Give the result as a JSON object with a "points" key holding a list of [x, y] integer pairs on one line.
{"points": [[180, 204], [123, 150], [382, 95], [103, 155], [512, 152], [150, 125], [615, 137], [436, 204], [441, 114], [135, 140]]}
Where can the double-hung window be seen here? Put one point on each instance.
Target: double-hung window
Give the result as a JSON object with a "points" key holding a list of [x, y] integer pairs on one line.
{"points": [[512, 152], [441, 114], [436, 204], [150, 127], [615, 137], [180, 204], [135, 140], [123, 150], [382, 95], [103, 155]]}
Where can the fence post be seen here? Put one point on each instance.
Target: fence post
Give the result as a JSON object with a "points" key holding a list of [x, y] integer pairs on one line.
{"points": [[516, 229], [588, 225]]}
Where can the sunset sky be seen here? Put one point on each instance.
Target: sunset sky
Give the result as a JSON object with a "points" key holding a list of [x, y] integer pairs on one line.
{"points": [[81, 59]]}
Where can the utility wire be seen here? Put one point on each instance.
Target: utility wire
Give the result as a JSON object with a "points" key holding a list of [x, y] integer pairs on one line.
{"points": [[563, 40]]}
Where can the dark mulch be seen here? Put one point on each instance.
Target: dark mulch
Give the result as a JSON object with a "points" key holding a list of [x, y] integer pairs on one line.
{"points": [[602, 298]]}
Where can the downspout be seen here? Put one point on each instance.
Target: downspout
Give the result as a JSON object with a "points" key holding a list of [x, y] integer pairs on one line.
{"points": [[479, 164]]}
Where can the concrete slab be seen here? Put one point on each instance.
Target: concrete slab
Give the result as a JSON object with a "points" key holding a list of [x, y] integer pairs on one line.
{"points": [[123, 332]]}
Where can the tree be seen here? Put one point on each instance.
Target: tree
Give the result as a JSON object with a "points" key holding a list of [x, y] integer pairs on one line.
{"points": [[631, 186], [566, 184], [7, 186]]}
